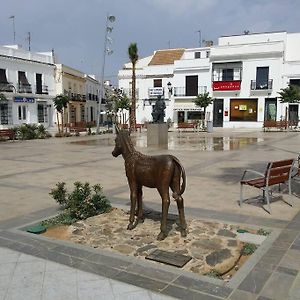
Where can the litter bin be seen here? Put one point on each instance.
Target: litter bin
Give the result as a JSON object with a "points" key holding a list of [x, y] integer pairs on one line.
{"points": [[209, 126]]}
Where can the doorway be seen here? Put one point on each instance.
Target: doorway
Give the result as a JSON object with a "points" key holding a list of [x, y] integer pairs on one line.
{"points": [[180, 117], [270, 109], [218, 113], [293, 114]]}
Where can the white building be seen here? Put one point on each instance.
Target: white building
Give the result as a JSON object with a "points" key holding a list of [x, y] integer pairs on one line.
{"points": [[243, 73], [27, 83]]}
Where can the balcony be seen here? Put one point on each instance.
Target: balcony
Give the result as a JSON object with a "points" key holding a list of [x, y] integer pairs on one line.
{"points": [[258, 86], [6, 87], [182, 91], [41, 89], [24, 88]]}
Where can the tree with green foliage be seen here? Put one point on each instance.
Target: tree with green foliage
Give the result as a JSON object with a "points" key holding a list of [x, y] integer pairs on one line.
{"points": [[2, 97], [60, 103], [133, 56], [203, 100], [291, 94]]}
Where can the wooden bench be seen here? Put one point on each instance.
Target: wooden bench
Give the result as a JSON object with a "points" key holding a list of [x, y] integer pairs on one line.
{"points": [[186, 125], [277, 172], [7, 133], [281, 125], [77, 127]]}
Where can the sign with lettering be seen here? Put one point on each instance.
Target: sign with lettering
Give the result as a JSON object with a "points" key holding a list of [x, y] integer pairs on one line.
{"points": [[155, 91], [24, 100], [226, 85]]}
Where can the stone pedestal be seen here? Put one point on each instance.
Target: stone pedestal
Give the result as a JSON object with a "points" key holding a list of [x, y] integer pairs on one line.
{"points": [[157, 135]]}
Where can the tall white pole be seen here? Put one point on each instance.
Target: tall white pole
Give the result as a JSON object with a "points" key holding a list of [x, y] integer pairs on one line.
{"points": [[102, 76], [14, 28]]}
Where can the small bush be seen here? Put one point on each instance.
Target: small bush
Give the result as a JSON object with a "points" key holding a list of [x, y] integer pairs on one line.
{"points": [[30, 132], [248, 249], [262, 231], [83, 202]]}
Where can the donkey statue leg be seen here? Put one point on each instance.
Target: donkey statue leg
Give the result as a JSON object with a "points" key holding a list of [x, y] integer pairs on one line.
{"points": [[133, 200], [164, 193], [139, 213]]}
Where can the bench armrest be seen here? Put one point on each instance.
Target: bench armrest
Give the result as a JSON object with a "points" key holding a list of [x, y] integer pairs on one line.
{"points": [[253, 172]]}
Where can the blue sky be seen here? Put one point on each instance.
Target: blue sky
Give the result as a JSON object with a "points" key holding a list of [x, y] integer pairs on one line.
{"points": [[75, 29]]}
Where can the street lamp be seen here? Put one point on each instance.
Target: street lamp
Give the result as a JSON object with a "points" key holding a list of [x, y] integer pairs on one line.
{"points": [[170, 89], [108, 29]]}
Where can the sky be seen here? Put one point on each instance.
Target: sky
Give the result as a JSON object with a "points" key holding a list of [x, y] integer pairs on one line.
{"points": [[75, 29]]}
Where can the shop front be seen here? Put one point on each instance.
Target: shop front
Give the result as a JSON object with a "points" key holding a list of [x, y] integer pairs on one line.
{"points": [[243, 110]]}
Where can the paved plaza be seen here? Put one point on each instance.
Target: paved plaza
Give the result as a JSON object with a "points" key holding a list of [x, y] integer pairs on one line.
{"points": [[34, 267]]}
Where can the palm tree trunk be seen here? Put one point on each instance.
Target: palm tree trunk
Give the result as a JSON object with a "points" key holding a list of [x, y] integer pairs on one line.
{"points": [[58, 126], [133, 103]]}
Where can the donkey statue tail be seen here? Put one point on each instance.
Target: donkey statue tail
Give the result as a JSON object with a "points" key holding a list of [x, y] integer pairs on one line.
{"points": [[182, 173]]}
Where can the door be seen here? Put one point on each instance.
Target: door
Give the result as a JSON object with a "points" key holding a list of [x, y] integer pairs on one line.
{"points": [[191, 85], [218, 113], [293, 114], [38, 81], [180, 117], [262, 78], [270, 109]]}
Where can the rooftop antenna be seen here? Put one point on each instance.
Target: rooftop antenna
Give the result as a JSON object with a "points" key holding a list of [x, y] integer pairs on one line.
{"points": [[200, 38], [29, 41]]}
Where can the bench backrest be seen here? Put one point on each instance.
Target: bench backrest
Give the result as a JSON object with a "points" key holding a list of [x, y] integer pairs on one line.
{"points": [[279, 171]]}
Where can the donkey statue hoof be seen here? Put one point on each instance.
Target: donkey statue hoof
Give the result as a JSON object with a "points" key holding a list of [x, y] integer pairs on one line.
{"points": [[130, 226], [183, 232], [162, 235]]}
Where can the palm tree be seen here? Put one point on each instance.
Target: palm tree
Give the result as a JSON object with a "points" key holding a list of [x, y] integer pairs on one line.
{"points": [[291, 94], [60, 103], [133, 56], [203, 100]]}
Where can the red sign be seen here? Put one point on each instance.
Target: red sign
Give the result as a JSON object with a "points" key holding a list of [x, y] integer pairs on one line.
{"points": [[226, 85]]}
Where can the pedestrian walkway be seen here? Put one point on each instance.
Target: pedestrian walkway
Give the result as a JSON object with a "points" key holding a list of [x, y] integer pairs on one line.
{"points": [[33, 267], [25, 277]]}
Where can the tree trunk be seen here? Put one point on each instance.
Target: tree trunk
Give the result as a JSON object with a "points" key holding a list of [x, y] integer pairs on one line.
{"points": [[133, 103], [58, 125]]}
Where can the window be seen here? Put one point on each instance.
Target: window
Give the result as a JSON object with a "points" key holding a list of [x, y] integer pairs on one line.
{"points": [[227, 74], [157, 83], [194, 115], [92, 114], [191, 85], [262, 78], [4, 113], [243, 110], [197, 54], [38, 81], [22, 112], [295, 82], [42, 112], [82, 113], [24, 86]]}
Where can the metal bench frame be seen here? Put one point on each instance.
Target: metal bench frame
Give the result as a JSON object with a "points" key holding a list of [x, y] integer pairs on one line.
{"points": [[277, 172]]}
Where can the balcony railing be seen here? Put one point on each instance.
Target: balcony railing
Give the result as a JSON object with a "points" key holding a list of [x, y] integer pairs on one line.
{"points": [[24, 88], [41, 89], [181, 91], [6, 87], [261, 85]]}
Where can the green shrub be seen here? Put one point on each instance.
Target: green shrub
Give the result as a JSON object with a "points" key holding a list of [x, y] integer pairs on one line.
{"points": [[248, 249], [83, 202], [30, 132]]}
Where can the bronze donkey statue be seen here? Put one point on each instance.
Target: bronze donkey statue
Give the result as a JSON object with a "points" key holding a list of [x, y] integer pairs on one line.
{"points": [[161, 172]]}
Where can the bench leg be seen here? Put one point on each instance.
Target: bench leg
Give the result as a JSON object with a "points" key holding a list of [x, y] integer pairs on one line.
{"points": [[268, 199], [241, 194]]}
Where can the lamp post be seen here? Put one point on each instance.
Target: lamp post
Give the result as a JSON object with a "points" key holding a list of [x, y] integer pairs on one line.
{"points": [[170, 89], [14, 28], [108, 29]]}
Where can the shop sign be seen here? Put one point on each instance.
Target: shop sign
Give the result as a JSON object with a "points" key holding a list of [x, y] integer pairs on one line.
{"points": [[226, 85], [24, 100], [156, 91]]}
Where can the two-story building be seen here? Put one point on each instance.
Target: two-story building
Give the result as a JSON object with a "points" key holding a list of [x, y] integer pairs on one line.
{"points": [[27, 87], [92, 92], [243, 73], [71, 82]]}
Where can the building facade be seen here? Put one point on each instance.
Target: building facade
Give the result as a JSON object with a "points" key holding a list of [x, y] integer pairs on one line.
{"points": [[27, 87], [243, 73]]}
